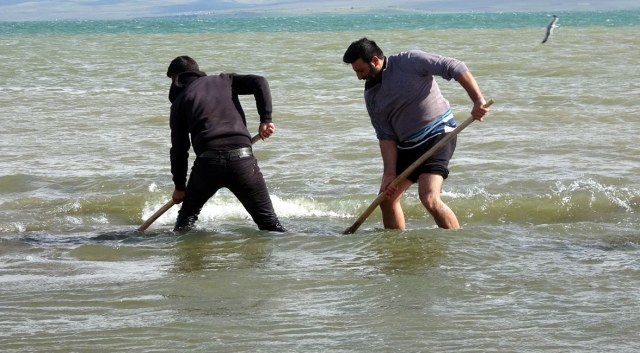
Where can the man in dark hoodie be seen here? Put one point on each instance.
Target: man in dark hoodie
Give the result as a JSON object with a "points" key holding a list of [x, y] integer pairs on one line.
{"points": [[208, 109]]}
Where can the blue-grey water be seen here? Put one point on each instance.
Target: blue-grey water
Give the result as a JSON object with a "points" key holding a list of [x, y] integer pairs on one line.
{"points": [[546, 190]]}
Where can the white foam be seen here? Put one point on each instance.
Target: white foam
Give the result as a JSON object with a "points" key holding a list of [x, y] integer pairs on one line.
{"points": [[73, 220], [617, 195], [225, 206], [168, 217], [100, 219], [223, 209], [470, 193], [304, 207], [13, 227]]}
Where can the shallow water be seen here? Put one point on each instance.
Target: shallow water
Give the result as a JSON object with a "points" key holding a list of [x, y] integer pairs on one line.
{"points": [[546, 190]]}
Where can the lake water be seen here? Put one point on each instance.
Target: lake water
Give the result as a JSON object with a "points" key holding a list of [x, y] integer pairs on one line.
{"points": [[546, 189]]}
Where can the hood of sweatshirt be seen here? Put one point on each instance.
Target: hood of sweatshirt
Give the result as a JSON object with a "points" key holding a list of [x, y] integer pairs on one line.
{"points": [[182, 81]]}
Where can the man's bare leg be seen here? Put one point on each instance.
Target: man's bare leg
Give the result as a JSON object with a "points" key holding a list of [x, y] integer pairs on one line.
{"points": [[392, 215], [429, 187]]}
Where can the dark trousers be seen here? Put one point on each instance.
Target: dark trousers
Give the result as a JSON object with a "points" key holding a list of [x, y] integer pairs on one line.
{"points": [[242, 176]]}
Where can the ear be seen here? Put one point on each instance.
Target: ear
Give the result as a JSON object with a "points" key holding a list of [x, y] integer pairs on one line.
{"points": [[377, 62]]}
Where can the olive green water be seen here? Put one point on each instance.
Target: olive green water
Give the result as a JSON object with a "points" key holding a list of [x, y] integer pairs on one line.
{"points": [[546, 190]]}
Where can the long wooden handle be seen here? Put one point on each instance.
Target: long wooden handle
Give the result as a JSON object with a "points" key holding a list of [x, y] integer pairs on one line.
{"points": [[170, 204], [410, 170], [156, 215]]}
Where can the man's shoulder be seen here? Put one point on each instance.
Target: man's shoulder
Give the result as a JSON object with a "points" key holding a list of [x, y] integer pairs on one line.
{"points": [[404, 61], [409, 55], [234, 77], [221, 79], [221, 76]]}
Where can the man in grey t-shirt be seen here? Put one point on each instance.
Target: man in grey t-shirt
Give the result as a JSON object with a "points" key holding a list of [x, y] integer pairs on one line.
{"points": [[410, 115]]}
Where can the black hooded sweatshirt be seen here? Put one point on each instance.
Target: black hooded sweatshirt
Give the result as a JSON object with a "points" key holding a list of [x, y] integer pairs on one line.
{"points": [[208, 108]]}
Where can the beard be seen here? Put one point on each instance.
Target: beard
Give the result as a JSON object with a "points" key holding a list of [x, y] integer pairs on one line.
{"points": [[373, 73]]}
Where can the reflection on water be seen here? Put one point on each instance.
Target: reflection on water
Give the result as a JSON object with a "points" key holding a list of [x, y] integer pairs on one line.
{"points": [[201, 250], [406, 252]]}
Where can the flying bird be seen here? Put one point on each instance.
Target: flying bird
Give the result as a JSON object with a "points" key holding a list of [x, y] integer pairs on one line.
{"points": [[550, 28]]}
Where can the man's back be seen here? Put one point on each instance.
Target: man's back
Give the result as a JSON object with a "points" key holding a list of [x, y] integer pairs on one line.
{"points": [[208, 108], [408, 98]]}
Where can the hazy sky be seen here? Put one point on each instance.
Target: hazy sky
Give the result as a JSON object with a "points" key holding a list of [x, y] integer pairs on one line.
{"points": [[36, 10]]}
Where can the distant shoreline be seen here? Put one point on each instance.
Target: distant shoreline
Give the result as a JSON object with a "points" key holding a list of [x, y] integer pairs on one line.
{"points": [[391, 10], [60, 10], [340, 11], [340, 19]]}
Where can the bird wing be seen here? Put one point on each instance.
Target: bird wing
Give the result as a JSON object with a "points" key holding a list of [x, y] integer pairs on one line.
{"points": [[550, 28], [547, 36]]}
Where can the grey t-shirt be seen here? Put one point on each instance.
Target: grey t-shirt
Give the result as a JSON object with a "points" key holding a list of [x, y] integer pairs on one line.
{"points": [[408, 98]]}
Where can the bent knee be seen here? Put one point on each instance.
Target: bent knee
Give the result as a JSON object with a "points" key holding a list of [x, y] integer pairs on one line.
{"points": [[432, 203], [388, 205]]}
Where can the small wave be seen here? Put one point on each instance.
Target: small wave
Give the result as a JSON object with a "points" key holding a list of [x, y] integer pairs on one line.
{"points": [[227, 207], [620, 196], [14, 227], [582, 200], [475, 191], [308, 207], [541, 202]]}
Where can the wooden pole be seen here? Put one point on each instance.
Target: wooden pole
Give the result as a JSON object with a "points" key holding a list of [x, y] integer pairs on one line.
{"points": [[170, 204], [410, 170], [156, 215]]}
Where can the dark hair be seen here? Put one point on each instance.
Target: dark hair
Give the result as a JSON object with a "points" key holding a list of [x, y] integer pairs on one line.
{"points": [[362, 49], [182, 64]]}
